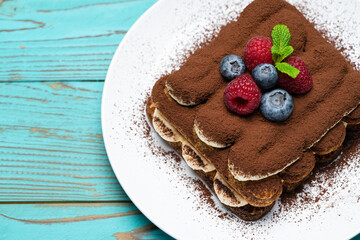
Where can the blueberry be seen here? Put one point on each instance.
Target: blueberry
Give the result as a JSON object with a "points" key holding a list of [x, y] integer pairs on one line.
{"points": [[265, 76], [276, 105], [232, 66]]}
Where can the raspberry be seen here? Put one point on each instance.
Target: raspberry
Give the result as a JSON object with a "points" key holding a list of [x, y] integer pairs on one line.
{"points": [[242, 95], [299, 85], [257, 51]]}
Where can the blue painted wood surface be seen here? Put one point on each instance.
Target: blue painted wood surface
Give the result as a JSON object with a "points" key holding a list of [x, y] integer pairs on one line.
{"points": [[51, 146], [92, 221], [44, 40]]}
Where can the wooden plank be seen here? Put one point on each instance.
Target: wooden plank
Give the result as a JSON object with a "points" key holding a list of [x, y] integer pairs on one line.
{"points": [[76, 221], [63, 40], [51, 146], [113, 221], [92, 221]]}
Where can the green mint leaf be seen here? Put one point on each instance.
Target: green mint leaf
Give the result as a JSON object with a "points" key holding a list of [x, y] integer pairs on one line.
{"points": [[281, 50], [281, 36], [286, 51], [276, 54], [287, 69], [280, 54]]}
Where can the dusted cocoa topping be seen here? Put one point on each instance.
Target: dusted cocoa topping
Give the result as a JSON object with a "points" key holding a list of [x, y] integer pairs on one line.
{"points": [[219, 123], [353, 131], [268, 147], [353, 124], [260, 148], [332, 140], [300, 169], [194, 89], [354, 116], [260, 193], [323, 160]]}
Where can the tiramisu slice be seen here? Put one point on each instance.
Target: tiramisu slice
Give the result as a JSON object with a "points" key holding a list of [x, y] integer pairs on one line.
{"points": [[253, 110]]}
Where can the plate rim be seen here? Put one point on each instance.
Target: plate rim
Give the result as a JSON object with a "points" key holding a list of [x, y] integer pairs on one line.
{"points": [[103, 117]]}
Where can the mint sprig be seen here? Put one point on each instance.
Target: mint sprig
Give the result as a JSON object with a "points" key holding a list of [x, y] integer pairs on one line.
{"points": [[287, 68], [281, 49]]}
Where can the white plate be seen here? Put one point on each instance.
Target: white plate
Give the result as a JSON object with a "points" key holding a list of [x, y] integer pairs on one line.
{"points": [[164, 189]]}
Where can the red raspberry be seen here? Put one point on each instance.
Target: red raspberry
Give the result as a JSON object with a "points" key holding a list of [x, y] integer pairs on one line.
{"points": [[257, 51], [299, 85], [242, 95]]}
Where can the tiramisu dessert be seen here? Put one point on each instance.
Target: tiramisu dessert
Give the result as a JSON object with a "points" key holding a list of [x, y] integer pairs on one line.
{"points": [[254, 109]]}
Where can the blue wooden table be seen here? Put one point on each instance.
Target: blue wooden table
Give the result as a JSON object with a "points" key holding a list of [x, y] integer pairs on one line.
{"points": [[55, 178]]}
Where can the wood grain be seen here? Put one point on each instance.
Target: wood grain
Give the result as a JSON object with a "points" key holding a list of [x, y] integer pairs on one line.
{"points": [[51, 146], [75, 221], [63, 40], [53, 56]]}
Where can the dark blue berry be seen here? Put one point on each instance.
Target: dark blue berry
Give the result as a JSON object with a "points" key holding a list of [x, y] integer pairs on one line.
{"points": [[232, 66], [265, 76], [277, 105]]}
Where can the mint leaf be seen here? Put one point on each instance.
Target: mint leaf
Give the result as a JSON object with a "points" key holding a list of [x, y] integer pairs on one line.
{"points": [[281, 50], [276, 54], [281, 36], [286, 51], [279, 55], [287, 69]]}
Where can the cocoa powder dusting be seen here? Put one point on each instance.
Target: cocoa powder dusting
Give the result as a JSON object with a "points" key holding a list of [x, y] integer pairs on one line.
{"points": [[354, 116], [204, 193], [300, 168], [333, 139], [258, 146], [288, 200], [147, 134]]}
